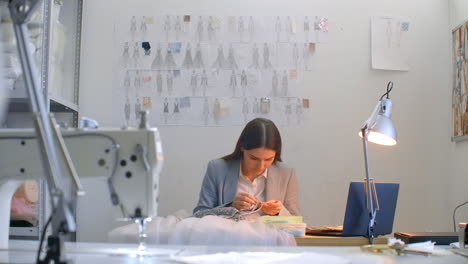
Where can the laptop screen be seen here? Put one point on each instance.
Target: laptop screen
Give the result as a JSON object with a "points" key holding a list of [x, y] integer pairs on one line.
{"points": [[356, 219]]}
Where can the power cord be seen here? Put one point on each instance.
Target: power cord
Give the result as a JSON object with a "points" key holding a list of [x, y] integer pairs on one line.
{"points": [[389, 88], [38, 258], [454, 211]]}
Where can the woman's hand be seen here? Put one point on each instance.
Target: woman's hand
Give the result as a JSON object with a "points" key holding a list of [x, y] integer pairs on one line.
{"points": [[244, 202], [272, 207]]}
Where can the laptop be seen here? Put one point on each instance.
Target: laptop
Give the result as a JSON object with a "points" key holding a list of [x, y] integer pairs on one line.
{"points": [[356, 220]]}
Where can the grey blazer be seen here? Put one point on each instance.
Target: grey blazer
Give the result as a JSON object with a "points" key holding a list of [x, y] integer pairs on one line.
{"points": [[219, 186]]}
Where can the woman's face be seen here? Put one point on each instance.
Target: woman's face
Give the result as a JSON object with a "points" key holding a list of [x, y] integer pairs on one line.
{"points": [[255, 161]]}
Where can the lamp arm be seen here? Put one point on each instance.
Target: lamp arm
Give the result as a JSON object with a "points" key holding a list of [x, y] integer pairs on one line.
{"points": [[364, 132], [49, 142], [369, 188]]}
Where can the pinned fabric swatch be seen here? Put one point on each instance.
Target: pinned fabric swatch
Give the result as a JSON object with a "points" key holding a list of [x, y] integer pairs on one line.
{"points": [[147, 47], [185, 102]]}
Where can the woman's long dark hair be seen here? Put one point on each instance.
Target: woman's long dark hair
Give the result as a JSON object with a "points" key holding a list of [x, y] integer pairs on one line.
{"points": [[258, 133]]}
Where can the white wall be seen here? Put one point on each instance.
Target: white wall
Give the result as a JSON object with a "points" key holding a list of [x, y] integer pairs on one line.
{"points": [[326, 151]]}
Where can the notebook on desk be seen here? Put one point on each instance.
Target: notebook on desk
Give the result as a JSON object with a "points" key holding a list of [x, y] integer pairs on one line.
{"points": [[356, 218]]}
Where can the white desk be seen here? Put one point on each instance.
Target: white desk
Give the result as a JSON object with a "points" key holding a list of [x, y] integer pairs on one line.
{"points": [[86, 253]]}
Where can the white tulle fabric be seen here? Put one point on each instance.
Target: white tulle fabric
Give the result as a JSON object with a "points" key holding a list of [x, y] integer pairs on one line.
{"points": [[181, 229]]}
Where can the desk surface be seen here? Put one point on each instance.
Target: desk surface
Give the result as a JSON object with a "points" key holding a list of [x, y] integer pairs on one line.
{"points": [[336, 241], [84, 253]]}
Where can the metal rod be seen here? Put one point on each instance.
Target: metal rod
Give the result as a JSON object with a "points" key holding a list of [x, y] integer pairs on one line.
{"points": [[37, 104], [369, 198], [62, 216], [64, 151]]}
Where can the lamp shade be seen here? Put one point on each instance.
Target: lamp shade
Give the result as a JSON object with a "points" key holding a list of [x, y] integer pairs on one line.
{"points": [[380, 128], [382, 132]]}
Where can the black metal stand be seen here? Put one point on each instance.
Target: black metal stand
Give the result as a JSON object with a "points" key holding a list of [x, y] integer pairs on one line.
{"points": [[54, 251]]}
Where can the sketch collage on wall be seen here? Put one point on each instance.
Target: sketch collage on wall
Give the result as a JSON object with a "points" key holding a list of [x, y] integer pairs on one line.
{"points": [[460, 85], [214, 71]]}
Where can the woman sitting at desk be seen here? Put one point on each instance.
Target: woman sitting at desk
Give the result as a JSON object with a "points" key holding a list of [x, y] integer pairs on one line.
{"points": [[253, 176]]}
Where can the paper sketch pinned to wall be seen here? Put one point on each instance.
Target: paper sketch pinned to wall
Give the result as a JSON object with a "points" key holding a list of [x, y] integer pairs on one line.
{"points": [[390, 43]]}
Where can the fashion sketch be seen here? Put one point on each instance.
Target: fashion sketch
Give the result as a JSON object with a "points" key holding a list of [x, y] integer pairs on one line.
{"points": [[176, 111], [243, 82], [127, 107], [241, 28], [133, 27], [188, 61], [299, 110], [159, 83], [143, 27], [169, 82], [127, 110], [165, 111], [284, 84], [177, 27], [136, 54], [256, 106], [137, 109], [194, 82], [220, 62], [231, 60], [127, 80], [158, 60], [137, 85], [206, 111], [198, 60], [245, 109], [204, 82], [200, 30], [278, 28], [251, 28], [169, 61], [125, 55], [137, 81], [167, 26], [289, 29], [306, 56], [274, 84], [216, 111], [233, 82], [266, 56], [288, 110], [255, 57], [211, 28], [306, 29], [295, 56]]}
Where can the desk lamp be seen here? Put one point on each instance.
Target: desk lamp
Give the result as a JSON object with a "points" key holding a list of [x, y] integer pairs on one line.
{"points": [[378, 129]]}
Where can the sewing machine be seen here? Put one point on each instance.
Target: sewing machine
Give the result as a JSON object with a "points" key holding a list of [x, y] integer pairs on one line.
{"points": [[130, 159]]}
